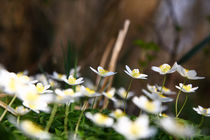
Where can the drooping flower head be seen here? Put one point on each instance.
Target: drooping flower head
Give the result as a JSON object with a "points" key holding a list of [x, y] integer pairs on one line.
{"points": [[202, 111], [189, 74], [135, 73], [157, 96]]}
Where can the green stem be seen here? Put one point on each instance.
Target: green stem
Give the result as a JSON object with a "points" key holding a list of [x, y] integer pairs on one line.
{"points": [[177, 98], [201, 122], [127, 93], [18, 120], [80, 117], [52, 115], [185, 101], [66, 121], [5, 111], [164, 81], [97, 88]]}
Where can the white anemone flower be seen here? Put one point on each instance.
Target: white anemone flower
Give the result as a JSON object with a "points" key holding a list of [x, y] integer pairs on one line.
{"points": [[102, 72], [21, 110], [186, 88], [153, 107], [58, 76], [202, 111], [158, 89], [176, 127], [165, 90], [110, 94], [165, 69], [135, 73], [43, 88], [11, 82], [157, 96], [33, 100], [33, 130], [73, 81], [122, 93], [133, 130], [67, 95], [72, 71], [119, 104], [88, 92], [100, 119], [117, 113], [189, 74]]}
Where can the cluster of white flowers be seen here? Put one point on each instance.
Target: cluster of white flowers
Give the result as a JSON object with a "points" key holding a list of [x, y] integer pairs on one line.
{"points": [[37, 92]]}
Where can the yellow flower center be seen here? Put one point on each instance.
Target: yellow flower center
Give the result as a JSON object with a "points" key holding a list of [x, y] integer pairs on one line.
{"points": [[134, 129], [165, 68], [161, 95], [102, 71], [31, 127], [60, 75], [135, 73], [164, 115], [12, 84], [31, 97], [119, 113], [72, 80], [39, 87], [90, 91], [186, 87], [124, 93], [109, 94], [186, 70], [101, 119], [69, 92], [150, 106]]}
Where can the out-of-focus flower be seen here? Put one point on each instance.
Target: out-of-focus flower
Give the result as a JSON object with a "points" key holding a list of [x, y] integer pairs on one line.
{"points": [[102, 72], [58, 76], [133, 130], [100, 119], [157, 96], [153, 107], [11, 82], [186, 88], [21, 110], [73, 81], [42, 88], [33, 130], [202, 111], [135, 73], [72, 71], [122, 93], [176, 127], [165, 90], [163, 115], [67, 95], [33, 100], [117, 113], [189, 74], [110, 94], [88, 92], [165, 69], [119, 104]]}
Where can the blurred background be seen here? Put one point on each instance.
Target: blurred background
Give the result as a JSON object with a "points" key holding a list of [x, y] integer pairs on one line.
{"points": [[37, 33]]}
